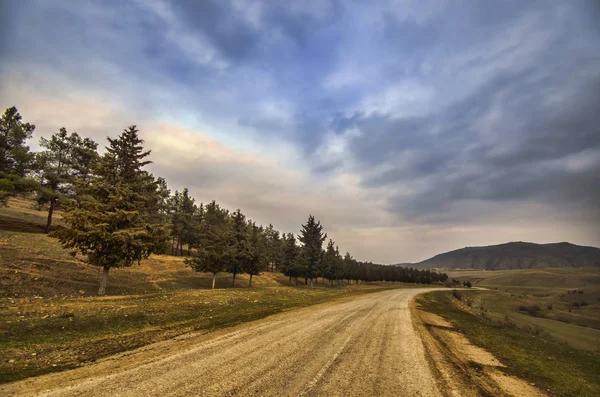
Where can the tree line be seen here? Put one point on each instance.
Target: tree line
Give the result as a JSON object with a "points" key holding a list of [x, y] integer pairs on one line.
{"points": [[116, 213]]}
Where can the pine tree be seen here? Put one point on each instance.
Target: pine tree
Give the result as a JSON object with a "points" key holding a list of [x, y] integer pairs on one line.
{"points": [[15, 157], [327, 264], [312, 238], [66, 160], [333, 261], [256, 260], [289, 264], [128, 153], [215, 249], [84, 157], [241, 244], [274, 247], [335, 271], [176, 221], [162, 212], [186, 217], [349, 267], [109, 223]]}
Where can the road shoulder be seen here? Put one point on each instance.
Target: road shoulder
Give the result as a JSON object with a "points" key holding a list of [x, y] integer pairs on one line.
{"points": [[462, 368]]}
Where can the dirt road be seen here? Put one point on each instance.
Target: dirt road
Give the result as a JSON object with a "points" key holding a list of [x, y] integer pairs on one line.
{"points": [[366, 346]]}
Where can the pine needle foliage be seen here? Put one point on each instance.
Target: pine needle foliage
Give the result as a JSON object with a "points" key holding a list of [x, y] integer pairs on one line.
{"points": [[110, 223], [216, 248]]}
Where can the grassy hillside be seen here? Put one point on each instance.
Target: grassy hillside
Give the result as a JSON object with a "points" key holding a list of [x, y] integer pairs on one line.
{"points": [[561, 303], [33, 264], [551, 278], [516, 255]]}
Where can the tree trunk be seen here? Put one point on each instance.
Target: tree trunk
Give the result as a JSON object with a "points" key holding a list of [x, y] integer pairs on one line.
{"points": [[250, 283], [311, 282], [104, 281], [181, 249], [290, 280], [305, 280], [172, 248], [234, 274], [50, 212], [214, 278], [296, 281]]}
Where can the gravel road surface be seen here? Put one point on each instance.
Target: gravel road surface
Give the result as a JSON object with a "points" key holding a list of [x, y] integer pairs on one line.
{"points": [[365, 346]]}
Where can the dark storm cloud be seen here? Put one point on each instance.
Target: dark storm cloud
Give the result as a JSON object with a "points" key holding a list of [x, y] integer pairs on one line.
{"points": [[523, 154]]}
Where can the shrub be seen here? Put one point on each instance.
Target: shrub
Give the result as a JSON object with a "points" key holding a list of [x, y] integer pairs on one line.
{"points": [[457, 294], [579, 304], [549, 306], [532, 310], [532, 329]]}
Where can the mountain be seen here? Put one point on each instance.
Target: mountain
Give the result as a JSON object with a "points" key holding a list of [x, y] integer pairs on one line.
{"points": [[515, 255]]}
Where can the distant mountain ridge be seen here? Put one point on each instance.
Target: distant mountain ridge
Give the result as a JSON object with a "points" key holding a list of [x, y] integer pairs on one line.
{"points": [[515, 255]]}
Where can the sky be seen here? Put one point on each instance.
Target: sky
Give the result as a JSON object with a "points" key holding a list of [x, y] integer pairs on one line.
{"points": [[408, 128]]}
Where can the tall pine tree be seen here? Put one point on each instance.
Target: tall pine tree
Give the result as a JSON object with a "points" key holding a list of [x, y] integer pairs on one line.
{"points": [[241, 244], [110, 223], [290, 265], [312, 238]]}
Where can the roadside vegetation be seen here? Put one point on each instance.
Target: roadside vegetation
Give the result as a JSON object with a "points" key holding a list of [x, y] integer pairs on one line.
{"points": [[530, 352], [561, 303]]}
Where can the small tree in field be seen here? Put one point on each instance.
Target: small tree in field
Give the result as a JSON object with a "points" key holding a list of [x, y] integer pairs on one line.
{"points": [[109, 223], [216, 249], [312, 238], [256, 261], [289, 263]]}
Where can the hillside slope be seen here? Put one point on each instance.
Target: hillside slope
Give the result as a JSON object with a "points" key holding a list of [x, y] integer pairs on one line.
{"points": [[33, 264], [515, 255]]}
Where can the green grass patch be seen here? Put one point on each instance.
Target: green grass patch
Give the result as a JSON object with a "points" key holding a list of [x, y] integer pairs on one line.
{"points": [[552, 365]]}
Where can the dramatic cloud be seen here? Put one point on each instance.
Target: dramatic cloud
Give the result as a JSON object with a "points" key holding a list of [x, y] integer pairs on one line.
{"points": [[408, 127]]}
